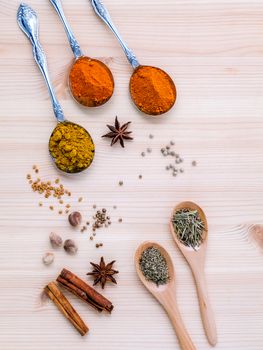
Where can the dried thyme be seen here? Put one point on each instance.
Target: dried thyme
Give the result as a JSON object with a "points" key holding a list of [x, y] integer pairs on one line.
{"points": [[154, 266], [189, 227]]}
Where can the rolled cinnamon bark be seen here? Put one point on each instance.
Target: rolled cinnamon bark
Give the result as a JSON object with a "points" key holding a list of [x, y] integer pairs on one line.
{"points": [[65, 307], [85, 292]]}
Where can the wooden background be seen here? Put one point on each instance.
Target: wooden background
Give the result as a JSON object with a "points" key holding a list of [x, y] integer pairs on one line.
{"points": [[214, 51]]}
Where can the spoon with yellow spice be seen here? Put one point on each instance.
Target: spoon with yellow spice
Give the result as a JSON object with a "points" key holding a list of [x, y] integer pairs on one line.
{"points": [[152, 89], [70, 145], [90, 80]]}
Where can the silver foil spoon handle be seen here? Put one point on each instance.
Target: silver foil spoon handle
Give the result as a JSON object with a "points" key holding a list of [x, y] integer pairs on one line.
{"points": [[103, 13], [28, 22], [71, 38]]}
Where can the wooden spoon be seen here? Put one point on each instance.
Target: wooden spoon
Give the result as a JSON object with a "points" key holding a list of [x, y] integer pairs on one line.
{"points": [[196, 260], [165, 294]]}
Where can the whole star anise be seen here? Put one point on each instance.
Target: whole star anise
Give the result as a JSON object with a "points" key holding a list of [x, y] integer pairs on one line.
{"points": [[118, 133], [103, 273]]}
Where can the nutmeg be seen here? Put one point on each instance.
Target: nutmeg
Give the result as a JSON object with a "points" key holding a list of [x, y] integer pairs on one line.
{"points": [[55, 240], [75, 218], [70, 247], [48, 258]]}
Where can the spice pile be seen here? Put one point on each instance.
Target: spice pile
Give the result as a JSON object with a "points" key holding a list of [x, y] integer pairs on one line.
{"points": [[91, 82], [175, 166], [154, 266], [189, 227], [71, 147], [152, 90], [49, 189]]}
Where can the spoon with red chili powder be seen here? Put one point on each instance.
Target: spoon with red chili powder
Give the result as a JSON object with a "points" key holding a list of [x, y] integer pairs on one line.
{"points": [[90, 80], [152, 89]]}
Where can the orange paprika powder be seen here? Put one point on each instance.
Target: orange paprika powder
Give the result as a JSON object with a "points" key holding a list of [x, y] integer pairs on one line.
{"points": [[91, 82], [152, 90]]}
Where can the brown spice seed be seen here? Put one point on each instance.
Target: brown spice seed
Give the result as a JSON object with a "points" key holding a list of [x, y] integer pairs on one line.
{"points": [[80, 199], [51, 207]]}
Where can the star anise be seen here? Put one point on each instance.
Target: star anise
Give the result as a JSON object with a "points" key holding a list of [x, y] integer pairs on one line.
{"points": [[103, 273], [119, 133]]}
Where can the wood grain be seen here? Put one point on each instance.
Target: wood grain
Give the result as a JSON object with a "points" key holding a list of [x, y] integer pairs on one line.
{"points": [[214, 50]]}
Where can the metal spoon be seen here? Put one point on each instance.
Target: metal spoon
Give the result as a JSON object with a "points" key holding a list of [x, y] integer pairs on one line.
{"points": [[28, 22], [165, 294], [88, 96], [196, 261], [102, 12]]}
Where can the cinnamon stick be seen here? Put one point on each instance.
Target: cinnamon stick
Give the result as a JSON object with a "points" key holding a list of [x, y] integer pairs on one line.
{"points": [[85, 292], [65, 307]]}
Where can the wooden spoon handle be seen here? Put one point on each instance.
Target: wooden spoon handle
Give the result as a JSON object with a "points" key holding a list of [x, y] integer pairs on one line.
{"points": [[178, 324], [205, 307]]}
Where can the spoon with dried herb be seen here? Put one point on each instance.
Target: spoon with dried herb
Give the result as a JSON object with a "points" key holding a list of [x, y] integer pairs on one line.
{"points": [[155, 269], [189, 229]]}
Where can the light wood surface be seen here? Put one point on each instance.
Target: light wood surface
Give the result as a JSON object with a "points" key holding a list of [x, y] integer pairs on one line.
{"points": [[213, 50]]}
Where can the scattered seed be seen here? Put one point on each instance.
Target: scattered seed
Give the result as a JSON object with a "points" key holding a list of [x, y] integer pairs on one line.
{"points": [[51, 207], [194, 163], [80, 199], [120, 183], [143, 154], [149, 150], [172, 143], [40, 204], [60, 212], [120, 220], [151, 136], [140, 177]]}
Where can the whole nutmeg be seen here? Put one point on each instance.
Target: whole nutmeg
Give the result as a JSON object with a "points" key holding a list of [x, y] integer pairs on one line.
{"points": [[75, 218], [70, 247], [48, 258], [55, 240]]}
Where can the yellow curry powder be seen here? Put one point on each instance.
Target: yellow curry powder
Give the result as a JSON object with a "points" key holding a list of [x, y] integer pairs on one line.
{"points": [[72, 147], [91, 82], [152, 90]]}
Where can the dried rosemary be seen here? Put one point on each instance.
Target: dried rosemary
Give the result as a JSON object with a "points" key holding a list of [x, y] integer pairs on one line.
{"points": [[189, 227], [154, 266]]}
